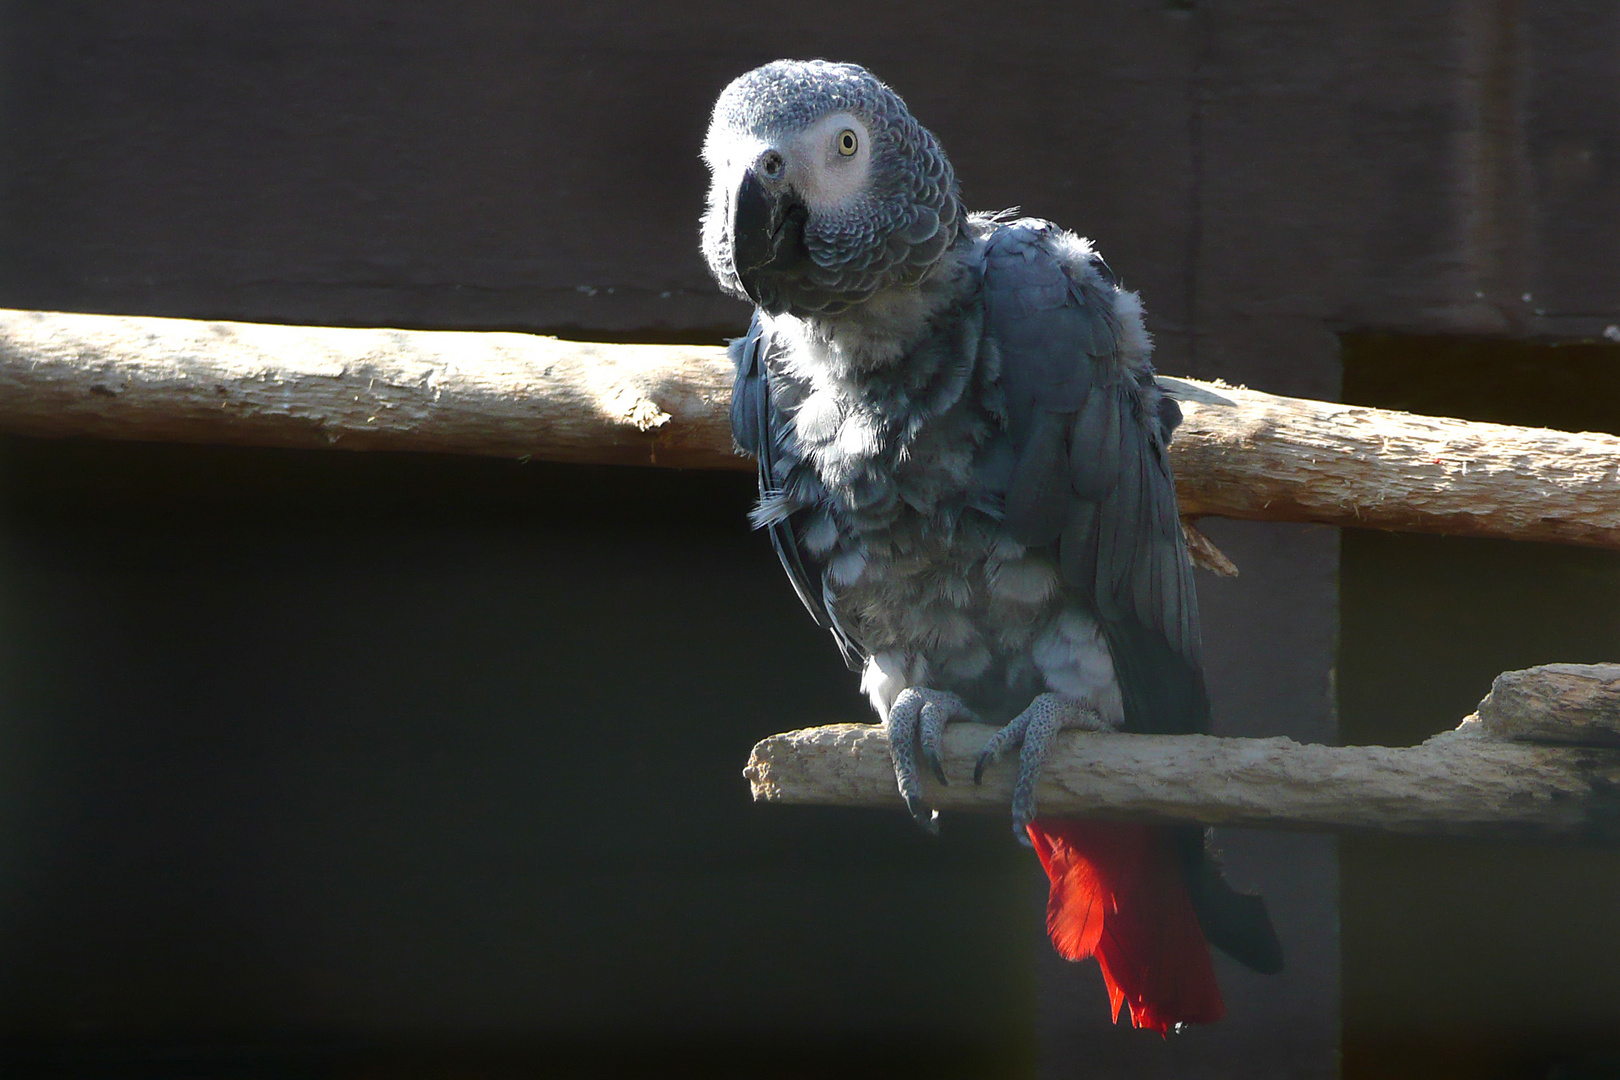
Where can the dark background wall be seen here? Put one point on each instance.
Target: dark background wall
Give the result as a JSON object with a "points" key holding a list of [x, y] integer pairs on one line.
{"points": [[314, 761], [1474, 959]]}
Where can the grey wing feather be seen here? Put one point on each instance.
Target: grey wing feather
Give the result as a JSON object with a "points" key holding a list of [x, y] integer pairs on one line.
{"points": [[1089, 434], [1109, 505], [760, 430]]}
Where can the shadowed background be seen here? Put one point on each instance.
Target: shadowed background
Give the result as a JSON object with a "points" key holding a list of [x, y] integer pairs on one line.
{"points": [[323, 764]]}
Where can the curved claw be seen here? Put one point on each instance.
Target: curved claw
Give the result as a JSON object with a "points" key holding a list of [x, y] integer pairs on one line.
{"points": [[923, 815], [1002, 741], [902, 725], [1033, 730], [920, 715], [1038, 733], [938, 711]]}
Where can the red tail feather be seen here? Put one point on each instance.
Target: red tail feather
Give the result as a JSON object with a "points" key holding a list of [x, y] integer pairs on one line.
{"points": [[1119, 895]]}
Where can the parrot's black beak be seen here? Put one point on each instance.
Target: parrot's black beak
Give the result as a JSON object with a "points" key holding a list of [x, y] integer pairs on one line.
{"points": [[767, 235]]}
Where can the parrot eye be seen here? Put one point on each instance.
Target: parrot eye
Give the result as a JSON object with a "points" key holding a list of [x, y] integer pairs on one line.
{"points": [[771, 164], [847, 142]]}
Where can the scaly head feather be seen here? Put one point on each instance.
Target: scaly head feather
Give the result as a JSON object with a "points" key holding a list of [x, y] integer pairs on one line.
{"points": [[825, 190]]}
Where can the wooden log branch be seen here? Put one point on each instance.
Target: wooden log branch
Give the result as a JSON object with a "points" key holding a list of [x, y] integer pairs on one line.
{"points": [[1246, 454], [1498, 775], [1239, 453], [444, 391]]}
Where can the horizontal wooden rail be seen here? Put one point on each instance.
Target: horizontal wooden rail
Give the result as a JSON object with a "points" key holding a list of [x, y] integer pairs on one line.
{"points": [[1540, 759], [1240, 453]]}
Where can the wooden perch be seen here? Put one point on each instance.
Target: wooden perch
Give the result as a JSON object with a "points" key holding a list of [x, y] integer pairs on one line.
{"points": [[1239, 453], [1541, 759], [444, 391]]}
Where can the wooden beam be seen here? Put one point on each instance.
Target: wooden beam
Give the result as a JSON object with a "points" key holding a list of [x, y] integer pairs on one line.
{"points": [[1495, 776], [1245, 454], [1240, 453], [440, 391]]}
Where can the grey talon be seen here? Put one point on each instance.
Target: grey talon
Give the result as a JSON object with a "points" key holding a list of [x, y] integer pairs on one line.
{"points": [[1033, 731], [1009, 736], [916, 721], [923, 815], [936, 713]]}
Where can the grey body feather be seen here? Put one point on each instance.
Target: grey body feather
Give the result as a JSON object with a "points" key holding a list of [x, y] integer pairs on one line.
{"points": [[993, 513]]}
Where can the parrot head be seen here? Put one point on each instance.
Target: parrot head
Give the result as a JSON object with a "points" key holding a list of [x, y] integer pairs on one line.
{"points": [[824, 191]]}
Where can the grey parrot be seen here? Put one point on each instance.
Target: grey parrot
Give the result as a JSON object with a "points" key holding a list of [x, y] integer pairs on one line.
{"points": [[961, 451]]}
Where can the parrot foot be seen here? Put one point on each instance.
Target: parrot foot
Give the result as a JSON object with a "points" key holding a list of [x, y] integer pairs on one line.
{"points": [[1033, 730], [918, 717]]}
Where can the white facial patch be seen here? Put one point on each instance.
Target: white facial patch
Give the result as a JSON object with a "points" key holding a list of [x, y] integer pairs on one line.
{"points": [[727, 158], [825, 177]]}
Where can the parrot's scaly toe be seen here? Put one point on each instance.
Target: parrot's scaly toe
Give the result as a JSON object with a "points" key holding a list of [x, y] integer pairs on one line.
{"points": [[919, 716], [1002, 741], [938, 710], [1033, 731]]}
